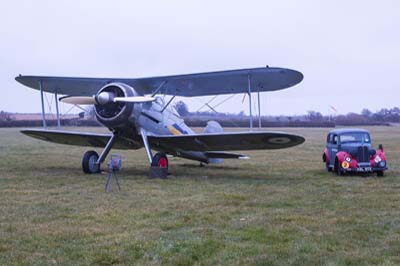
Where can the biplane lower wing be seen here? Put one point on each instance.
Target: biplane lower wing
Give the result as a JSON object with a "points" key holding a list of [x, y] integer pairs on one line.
{"points": [[226, 141], [171, 144], [80, 138]]}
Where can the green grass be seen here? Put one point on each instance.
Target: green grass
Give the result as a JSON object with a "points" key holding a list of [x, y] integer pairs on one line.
{"points": [[278, 208]]}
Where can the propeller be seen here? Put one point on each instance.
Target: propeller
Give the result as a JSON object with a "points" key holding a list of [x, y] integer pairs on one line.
{"points": [[104, 98], [78, 100], [135, 99]]}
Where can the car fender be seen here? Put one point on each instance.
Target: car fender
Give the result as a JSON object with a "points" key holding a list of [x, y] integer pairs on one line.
{"points": [[325, 156], [379, 153], [341, 157]]}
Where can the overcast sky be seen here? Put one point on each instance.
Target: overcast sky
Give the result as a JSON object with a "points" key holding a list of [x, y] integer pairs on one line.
{"points": [[348, 51]]}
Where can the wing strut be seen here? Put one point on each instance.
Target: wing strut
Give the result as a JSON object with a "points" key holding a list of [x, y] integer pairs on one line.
{"points": [[43, 109], [249, 92], [259, 108], [159, 88], [57, 110], [42, 100], [165, 107], [107, 149]]}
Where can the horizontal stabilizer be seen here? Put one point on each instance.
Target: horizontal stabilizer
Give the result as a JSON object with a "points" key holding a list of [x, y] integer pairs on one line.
{"points": [[225, 155]]}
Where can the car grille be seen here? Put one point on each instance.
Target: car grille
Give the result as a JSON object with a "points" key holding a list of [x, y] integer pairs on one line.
{"points": [[363, 154]]}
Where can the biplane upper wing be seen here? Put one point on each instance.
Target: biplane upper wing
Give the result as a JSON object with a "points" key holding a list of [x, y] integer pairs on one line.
{"points": [[188, 85], [226, 141]]}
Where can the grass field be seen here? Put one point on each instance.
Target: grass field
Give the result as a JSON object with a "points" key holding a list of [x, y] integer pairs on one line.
{"points": [[279, 208]]}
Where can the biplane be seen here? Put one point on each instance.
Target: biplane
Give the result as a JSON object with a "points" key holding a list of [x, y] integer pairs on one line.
{"points": [[137, 116]]}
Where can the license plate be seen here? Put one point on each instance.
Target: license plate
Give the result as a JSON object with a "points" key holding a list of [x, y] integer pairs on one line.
{"points": [[364, 169]]}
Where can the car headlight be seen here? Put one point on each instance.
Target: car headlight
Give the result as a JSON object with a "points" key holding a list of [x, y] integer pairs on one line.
{"points": [[377, 159], [348, 159], [345, 164], [382, 164]]}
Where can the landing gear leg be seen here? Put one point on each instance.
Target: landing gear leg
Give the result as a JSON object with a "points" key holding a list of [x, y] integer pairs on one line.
{"points": [[146, 144], [91, 160], [158, 163]]}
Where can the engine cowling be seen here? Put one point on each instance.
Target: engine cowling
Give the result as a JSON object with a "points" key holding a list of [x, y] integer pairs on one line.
{"points": [[114, 114]]}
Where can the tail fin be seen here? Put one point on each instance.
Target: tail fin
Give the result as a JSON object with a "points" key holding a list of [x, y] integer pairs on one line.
{"points": [[213, 127]]}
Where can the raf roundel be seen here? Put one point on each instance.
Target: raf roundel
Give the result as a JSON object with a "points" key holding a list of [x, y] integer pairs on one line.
{"points": [[279, 140]]}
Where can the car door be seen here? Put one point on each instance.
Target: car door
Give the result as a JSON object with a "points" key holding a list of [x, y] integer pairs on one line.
{"points": [[333, 148]]}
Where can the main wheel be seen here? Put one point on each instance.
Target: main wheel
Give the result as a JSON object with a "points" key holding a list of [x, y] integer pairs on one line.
{"points": [[160, 160], [379, 173], [89, 160]]}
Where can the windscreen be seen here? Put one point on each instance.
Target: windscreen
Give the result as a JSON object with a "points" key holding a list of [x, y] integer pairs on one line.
{"points": [[356, 137]]}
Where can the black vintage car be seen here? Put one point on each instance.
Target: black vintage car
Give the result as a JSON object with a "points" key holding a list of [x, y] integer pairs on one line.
{"points": [[349, 150]]}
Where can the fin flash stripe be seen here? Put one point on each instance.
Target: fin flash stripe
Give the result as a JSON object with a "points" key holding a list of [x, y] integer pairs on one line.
{"points": [[176, 130]]}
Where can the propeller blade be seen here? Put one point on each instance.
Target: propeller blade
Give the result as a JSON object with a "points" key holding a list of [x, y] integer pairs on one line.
{"points": [[135, 99], [78, 100], [104, 98]]}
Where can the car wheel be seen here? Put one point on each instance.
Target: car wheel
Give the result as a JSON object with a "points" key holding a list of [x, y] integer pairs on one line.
{"points": [[328, 168], [379, 173], [338, 169]]}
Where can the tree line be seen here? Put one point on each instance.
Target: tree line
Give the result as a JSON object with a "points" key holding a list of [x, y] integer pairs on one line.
{"points": [[383, 116]]}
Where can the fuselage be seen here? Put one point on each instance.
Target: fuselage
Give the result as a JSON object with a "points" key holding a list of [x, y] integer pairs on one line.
{"points": [[157, 120]]}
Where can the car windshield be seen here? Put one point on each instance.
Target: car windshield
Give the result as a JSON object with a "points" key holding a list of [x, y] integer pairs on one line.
{"points": [[355, 137]]}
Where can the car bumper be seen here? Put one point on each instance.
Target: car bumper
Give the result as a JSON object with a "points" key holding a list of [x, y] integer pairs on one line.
{"points": [[367, 169]]}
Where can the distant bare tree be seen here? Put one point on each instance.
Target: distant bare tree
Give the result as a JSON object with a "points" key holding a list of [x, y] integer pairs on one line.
{"points": [[4, 116], [366, 113], [313, 115]]}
